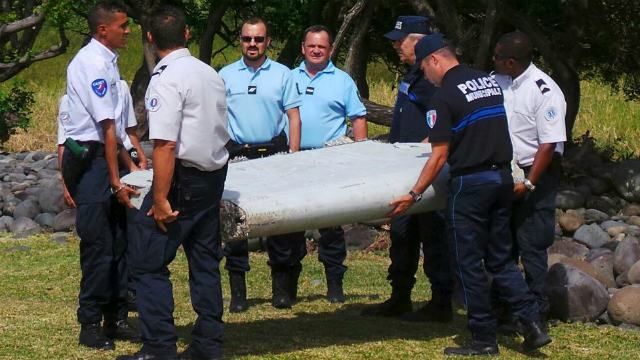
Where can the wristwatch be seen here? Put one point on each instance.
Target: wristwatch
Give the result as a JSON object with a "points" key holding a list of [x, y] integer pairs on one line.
{"points": [[529, 185], [416, 197]]}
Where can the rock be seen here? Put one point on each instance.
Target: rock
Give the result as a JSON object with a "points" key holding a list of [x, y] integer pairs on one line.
{"points": [[359, 237], [631, 210], [590, 270], [594, 215], [626, 254], [570, 221], [45, 219], [597, 252], [606, 225], [23, 227], [574, 295], [569, 199], [60, 237], [591, 235], [65, 220], [28, 208], [622, 280], [625, 178], [553, 259], [624, 306], [614, 231], [568, 248], [5, 223], [633, 230], [602, 203], [633, 275], [603, 264], [51, 198], [597, 186]]}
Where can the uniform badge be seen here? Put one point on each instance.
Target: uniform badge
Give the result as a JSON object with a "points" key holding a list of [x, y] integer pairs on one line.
{"points": [[310, 90], [99, 86], [64, 117], [252, 90], [398, 25], [154, 104], [432, 116], [550, 114], [544, 88]]}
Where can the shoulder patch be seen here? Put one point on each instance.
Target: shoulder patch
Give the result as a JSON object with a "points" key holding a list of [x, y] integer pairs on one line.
{"points": [[432, 116], [153, 104], [99, 87], [550, 113], [544, 88]]}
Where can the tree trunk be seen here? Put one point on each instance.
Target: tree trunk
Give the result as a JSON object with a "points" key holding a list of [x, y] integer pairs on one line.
{"points": [[484, 43], [290, 51], [349, 17], [355, 64], [139, 86], [423, 8], [378, 114], [214, 22]]}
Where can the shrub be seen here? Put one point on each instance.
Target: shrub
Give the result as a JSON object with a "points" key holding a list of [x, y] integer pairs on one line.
{"points": [[15, 108]]}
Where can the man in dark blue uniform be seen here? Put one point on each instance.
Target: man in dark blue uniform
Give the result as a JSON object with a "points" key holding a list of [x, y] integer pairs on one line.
{"points": [[469, 131], [408, 232]]}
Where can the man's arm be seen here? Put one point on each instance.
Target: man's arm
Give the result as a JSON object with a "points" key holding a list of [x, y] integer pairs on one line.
{"points": [[164, 155], [439, 154], [541, 162], [126, 160], [135, 141], [360, 130], [67, 196], [110, 154], [294, 129]]}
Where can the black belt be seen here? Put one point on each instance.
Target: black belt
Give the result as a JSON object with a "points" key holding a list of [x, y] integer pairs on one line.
{"points": [[481, 167], [96, 148]]}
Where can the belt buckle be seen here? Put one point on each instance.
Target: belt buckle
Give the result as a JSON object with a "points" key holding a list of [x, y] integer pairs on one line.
{"points": [[494, 167]]}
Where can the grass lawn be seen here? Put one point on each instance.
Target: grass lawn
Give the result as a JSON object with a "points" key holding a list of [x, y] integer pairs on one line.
{"points": [[39, 281]]}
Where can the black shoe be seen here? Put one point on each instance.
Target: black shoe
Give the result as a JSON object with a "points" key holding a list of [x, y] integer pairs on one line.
{"points": [[280, 287], [431, 312], [395, 306], [131, 301], [91, 335], [142, 355], [238, 286], [190, 354], [335, 294], [294, 275], [120, 330], [535, 335], [473, 349]]}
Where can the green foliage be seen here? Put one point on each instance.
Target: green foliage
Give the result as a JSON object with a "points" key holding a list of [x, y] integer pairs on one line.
{"points": [[15, 108]]}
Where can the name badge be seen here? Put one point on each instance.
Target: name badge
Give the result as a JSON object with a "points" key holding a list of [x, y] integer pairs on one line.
{"points": [[404, 87], [310, 90], [252, 90]]}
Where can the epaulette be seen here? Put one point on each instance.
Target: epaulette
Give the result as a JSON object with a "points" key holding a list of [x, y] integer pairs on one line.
{"points": [[160, 70], [544, 88]]}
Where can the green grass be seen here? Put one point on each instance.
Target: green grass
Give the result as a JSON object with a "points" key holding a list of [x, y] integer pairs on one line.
{"points": [[39, 281]]}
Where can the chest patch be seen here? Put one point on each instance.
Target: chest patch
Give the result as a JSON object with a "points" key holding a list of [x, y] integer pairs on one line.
{"points": [[431, 116], [310, 90], [252, 90], [99, 87]]}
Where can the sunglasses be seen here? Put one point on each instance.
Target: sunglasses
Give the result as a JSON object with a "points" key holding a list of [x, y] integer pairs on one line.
{"points": [[257, 39]]}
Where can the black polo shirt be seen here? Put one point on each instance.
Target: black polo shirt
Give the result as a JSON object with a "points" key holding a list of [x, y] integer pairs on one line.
{"points": [[414, 94], [468, 112]]}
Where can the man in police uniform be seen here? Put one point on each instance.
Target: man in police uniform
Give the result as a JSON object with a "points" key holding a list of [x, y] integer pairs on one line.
{"points": [[259, 92], [90, 171], [329, 96], [408, 232], [469, 131], [536, 112], [186, 106]]}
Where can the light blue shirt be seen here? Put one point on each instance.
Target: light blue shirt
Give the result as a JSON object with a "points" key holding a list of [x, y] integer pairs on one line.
{"points": [[257, 100], [327, 100]]}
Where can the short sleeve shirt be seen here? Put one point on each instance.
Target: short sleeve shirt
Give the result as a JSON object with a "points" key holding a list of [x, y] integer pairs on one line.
{"points": [[92, 90], [414, 94], [536, 111], [257, 100], [328, 99], [186, 103], [468, 112]]}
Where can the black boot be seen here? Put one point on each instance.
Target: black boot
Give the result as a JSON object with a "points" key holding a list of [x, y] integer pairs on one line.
{"points": [[142, 355], [191, 354], [399, 303], [294, 275], [280, 287], [433, 311], [238, 287], [335, 294], [131, 301], [91, 335], [475, 348], [120, 330], [535, 335]]}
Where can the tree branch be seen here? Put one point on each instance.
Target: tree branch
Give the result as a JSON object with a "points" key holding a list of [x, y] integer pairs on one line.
{"points": [[355, 10]]}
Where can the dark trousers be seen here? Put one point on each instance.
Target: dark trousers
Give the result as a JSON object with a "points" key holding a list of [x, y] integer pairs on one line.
{"points": [[332, 251], [196, 195], [407, 233], [103, 286], [479, 223], [533, 228]]}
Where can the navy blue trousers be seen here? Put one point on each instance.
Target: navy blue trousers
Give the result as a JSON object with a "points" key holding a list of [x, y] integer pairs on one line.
{"points": [[332, 251], [196, 195], [103, 286], [407, 234], [479, 223]]}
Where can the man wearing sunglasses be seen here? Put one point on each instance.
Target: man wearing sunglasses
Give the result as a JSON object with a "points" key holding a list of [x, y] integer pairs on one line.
{"points": [[259, 92]]}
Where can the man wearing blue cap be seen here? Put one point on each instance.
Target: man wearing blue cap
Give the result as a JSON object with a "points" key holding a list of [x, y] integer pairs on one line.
{"points": [[469, 131], [408, 232]]}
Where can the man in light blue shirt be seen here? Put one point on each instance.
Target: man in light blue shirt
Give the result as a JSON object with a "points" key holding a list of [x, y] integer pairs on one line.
{"points": [[329, 97], [259, 93]]}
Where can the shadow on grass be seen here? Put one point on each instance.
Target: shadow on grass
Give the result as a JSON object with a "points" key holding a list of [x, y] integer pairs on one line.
{"points": [[342, 327]]}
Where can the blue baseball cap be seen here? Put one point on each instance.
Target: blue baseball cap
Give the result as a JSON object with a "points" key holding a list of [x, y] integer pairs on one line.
{"points": [[429, 44], [406, 25]]}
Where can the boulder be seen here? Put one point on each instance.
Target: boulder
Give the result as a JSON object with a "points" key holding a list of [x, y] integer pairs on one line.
{"points": [[633, 275], [597, 252], [614, 231], [45, 219], [568, 248], [65, 220], [23, 227], [625, 178], [633, 230], [631, 210], [603, 203], [570, 221], [603, 264], [575, 295], [569, 199], [591, 235], [28, 208], [359, 237], [624, 306], [622, 280], [607, 281], [626, 254], [553, 259], [606, 225], [51, 198], [597, 186], [5, 223], [60, 237], [594, 215]]}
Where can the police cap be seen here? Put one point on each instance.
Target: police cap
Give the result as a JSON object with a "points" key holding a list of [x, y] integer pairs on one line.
{"points": [[429, 44], [406, 25]]}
